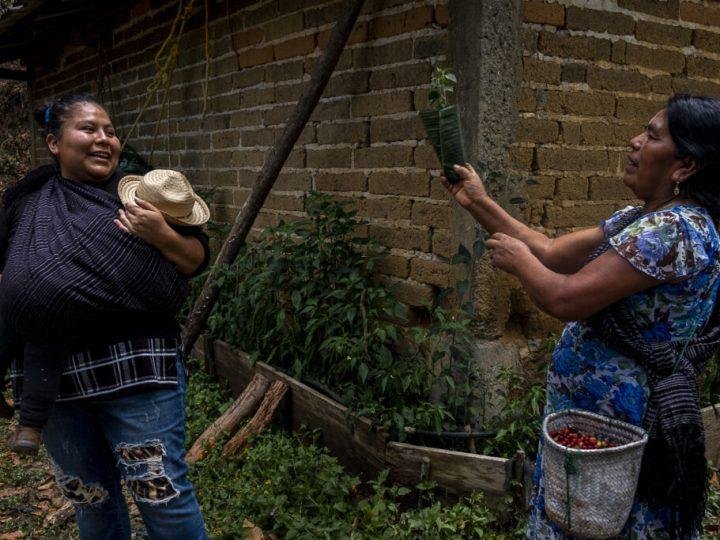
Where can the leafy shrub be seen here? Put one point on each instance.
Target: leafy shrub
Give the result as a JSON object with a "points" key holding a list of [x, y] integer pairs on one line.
{"points": [[303, 298]]}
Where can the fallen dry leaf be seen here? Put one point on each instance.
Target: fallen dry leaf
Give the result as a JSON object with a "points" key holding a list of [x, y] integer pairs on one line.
{"points": [[12, 535], [60, 515]]}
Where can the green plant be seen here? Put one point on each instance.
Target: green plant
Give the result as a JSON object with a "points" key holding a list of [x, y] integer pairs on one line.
{"points": [[442, 83]]}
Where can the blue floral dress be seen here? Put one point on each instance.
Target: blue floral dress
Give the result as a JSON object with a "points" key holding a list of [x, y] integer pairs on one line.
{"points": [[679, 244]]}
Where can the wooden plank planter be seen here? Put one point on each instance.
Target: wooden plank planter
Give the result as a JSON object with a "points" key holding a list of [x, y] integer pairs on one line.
{"points": [[359, 445], [366, 450]]}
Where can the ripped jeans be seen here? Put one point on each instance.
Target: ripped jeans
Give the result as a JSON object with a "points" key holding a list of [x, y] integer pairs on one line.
{"points": [[139, 437]]}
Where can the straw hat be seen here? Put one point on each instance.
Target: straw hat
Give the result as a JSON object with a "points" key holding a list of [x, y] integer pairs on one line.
{"points": [[168, 191]]}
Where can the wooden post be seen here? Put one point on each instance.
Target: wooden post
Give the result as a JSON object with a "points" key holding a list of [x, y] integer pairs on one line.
{"points": [[271, 169], [228, 422]]}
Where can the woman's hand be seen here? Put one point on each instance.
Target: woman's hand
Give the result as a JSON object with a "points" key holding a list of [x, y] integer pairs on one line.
{"points": [[469, 189], [506, 252], [142, 219]]}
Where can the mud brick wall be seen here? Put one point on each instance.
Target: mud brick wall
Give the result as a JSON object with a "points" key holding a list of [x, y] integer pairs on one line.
{"points": [[363, 144], [594, 73]]}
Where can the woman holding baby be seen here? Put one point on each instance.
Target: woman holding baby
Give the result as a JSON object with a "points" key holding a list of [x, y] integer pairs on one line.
{"points": [[94, 271]]}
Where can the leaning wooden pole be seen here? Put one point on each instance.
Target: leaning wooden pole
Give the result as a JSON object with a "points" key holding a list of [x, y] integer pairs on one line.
{"points": [[270, 171]]}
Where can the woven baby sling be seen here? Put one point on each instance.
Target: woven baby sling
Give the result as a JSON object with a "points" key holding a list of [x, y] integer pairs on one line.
{"points": [[674, 471], [68, 263]]}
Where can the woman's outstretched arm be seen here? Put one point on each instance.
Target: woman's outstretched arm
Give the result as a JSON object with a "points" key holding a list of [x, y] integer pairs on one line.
{"points": [[565, 254]]}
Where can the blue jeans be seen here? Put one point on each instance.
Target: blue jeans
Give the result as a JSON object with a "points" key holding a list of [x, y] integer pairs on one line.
{"points": [[139, 437]]}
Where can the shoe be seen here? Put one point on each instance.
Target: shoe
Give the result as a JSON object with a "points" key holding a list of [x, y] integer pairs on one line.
{"points": [[6, 410], [25, 440]]}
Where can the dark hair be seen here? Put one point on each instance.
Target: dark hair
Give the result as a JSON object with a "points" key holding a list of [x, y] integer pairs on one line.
{"points": [[52, 116], [694, 124]]}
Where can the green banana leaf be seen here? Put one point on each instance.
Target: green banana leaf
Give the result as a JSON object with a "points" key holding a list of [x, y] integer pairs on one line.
{"points": [[444, 132]]}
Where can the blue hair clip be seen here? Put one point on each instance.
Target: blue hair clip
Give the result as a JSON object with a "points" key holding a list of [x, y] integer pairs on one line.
{"points": [[48, 109]]}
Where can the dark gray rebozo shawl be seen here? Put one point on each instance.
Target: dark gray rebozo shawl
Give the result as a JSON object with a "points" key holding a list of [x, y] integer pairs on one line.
{"points": [[68, 263]]}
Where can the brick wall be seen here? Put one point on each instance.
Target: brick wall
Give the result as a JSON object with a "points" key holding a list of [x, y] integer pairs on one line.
{"points": [[594, 73], [363, 144]]}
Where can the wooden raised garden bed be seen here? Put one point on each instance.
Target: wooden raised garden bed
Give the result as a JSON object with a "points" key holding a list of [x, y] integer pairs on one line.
{"points": [[366, 450]]}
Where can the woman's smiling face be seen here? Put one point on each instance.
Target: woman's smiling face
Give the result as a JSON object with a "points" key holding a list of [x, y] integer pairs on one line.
{"points": [[652, 162], [88, 149]]}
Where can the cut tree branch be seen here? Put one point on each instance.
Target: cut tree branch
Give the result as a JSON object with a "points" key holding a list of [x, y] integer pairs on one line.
{"points": [[228, 422], [270, 171]]}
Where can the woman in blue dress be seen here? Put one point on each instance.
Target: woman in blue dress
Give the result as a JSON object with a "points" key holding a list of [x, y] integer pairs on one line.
{"points": [[659, 262]]}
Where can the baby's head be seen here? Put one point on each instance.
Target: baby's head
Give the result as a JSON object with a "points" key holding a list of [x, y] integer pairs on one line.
{"points": [[168, 191]]}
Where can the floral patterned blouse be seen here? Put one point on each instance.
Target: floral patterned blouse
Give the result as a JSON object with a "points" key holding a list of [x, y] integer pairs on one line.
{"points": [[679, 246]]}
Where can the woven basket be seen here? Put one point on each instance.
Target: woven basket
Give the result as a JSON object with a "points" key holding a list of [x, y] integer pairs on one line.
{"points": [[590, 492]]}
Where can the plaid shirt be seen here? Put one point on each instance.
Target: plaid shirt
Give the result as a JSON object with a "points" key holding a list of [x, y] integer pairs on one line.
{"points": [[111, 369]]}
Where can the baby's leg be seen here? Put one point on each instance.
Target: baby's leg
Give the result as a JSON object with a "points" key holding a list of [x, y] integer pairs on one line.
{"points": [[42, 369]]}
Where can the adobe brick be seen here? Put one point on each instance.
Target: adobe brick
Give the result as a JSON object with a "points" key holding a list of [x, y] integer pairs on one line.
{"points": [[623, 133], [609, 188], [394, 208], [358, 35], [421, 98], [256, 57], [336, 109], [258, 137], [285, 71], [401, 237], [223, 196], [575, 188], [432, 215], [429, 46], [619, 49], [327, 158], [292, 203], [191, 160], [543, 189], [578, 215], [430, 272], [225, 139], [285, 93], [401, 76], [661, 84], [371, 56], [581, 103], [526, 100], [393, 265], [703, 67], [408, 292], [599, 21], [355, 82], [245, 118], [288, 6], [613, 79], [597, 133], [668, 9], [540, 71], [246, 158], [346, 181], [663, 60], [663, 34], [381, 104], [442, 15], [699, 13], [248, 77], [396, 129], [424, 157], [706, 40], [536, 130], [630, 108], [258, 96], [581, 47], [521, 156], [222, 178], [345, 132], [444, 244], [297, 159], [415, 184], [572, 159], [199, 141], [695, 87], [260, 13], [344, 63], [299, 46], [383, 156], [399, 23], [322, 15], [284, 26], [248, 38], [573, 73], [538, 12], [528, 40]]}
